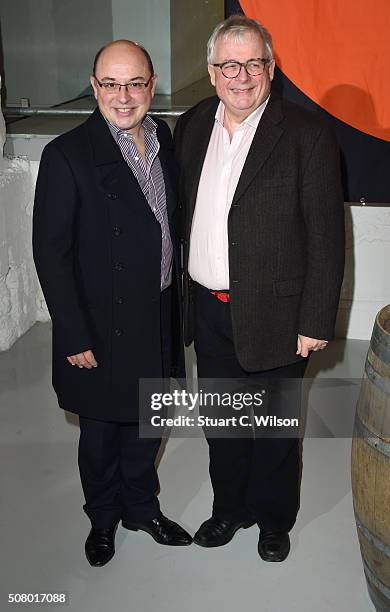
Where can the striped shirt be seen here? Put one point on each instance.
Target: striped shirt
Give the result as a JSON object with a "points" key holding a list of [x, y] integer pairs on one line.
{"points": [[149, 175]]}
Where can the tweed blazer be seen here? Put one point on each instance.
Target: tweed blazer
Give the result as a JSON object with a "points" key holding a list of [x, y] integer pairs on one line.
{"points": [[285, 230]]}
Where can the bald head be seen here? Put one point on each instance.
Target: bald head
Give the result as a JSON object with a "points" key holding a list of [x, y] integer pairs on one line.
{"points": [[118, 52], [124, 84]]}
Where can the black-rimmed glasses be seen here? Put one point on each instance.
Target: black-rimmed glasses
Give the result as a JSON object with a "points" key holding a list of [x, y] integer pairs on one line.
{"points": [[231, 69], [133, 86]]}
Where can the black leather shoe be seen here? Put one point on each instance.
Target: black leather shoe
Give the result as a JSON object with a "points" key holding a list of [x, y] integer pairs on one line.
{"points": [[274, 545], [162, 530], [100, 546], [218, 531]]}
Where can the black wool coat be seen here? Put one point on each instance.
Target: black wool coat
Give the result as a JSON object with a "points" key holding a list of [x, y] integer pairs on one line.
{"points": [[97, 250], [285, 230]]}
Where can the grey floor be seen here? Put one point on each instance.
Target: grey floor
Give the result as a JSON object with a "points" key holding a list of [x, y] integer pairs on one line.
{"points": [[43, 527]]}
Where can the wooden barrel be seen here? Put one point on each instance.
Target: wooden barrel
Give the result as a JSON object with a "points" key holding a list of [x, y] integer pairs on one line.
{"points": [[371, 464]]}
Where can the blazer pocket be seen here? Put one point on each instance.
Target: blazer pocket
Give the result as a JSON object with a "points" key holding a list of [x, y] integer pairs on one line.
{"points": [[289, 286]]}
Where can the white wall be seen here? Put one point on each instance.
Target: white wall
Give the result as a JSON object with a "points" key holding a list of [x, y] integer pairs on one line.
{"points": [[21, 303], [366, 286]]}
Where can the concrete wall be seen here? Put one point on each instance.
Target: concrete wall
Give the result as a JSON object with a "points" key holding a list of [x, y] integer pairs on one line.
{"points": [[149, 23], [49, 46], [191, 26]]}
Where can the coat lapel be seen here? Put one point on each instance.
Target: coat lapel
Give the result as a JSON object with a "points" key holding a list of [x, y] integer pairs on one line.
{"points": [[267, 135], [115, 177], [166, 159]]}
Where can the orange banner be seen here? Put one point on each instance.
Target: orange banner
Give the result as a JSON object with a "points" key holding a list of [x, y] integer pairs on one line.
{"points": [[337, 52]]}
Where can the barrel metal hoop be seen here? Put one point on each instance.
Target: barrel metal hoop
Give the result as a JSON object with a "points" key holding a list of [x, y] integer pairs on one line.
{"points": [[372, 539], [372, 440], [375, 581], [377, 379], [380, 345]]}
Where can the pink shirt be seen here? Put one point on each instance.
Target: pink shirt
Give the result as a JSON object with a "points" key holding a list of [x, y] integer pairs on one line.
{"points": [[208, 259]]}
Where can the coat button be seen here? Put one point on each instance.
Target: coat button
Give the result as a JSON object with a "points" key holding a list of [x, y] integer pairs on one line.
{"points": [[118, 266], [233, 244], [117, 230], [118, 332], [112, 196], [119, 300]]}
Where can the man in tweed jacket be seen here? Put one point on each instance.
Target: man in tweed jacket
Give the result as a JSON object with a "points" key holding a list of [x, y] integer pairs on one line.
{"points": [[263, 264]]}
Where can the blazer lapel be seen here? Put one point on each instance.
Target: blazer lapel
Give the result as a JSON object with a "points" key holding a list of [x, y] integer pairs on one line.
{"points": [[199, 143], [267, 135]]}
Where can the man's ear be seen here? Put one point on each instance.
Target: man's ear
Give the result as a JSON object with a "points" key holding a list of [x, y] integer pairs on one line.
{"points": [[271, 69], [211, 71], [154, 84], [93, 85]]}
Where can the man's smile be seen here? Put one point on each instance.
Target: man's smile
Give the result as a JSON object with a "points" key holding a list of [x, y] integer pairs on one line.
{"points": [[241, 89], [124, 111]]}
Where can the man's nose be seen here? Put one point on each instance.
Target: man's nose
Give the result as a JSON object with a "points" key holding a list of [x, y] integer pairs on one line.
{"points": [[242, 75], [124, 95]]}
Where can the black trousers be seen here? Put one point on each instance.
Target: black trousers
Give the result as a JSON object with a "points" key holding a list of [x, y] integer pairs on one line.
{"points": [[117, 468], [254, 477]]}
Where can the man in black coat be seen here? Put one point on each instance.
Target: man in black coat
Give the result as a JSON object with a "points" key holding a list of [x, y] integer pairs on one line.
{"points": [[107, 259], [263, 265]]}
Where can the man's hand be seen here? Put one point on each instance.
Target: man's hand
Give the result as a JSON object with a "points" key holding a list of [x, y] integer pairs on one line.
{"points": [[305, 345], [83, 360]]}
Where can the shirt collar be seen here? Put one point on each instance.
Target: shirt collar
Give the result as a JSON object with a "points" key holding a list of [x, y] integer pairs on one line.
{"points": [[252, 120], [149, 125]]}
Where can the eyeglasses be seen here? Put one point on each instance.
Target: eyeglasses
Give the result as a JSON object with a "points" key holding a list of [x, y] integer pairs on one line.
{"points": [[232, 68], [114, 87]]}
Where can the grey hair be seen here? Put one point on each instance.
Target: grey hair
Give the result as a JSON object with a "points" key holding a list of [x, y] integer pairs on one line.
{"points": [[236, 26]]}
